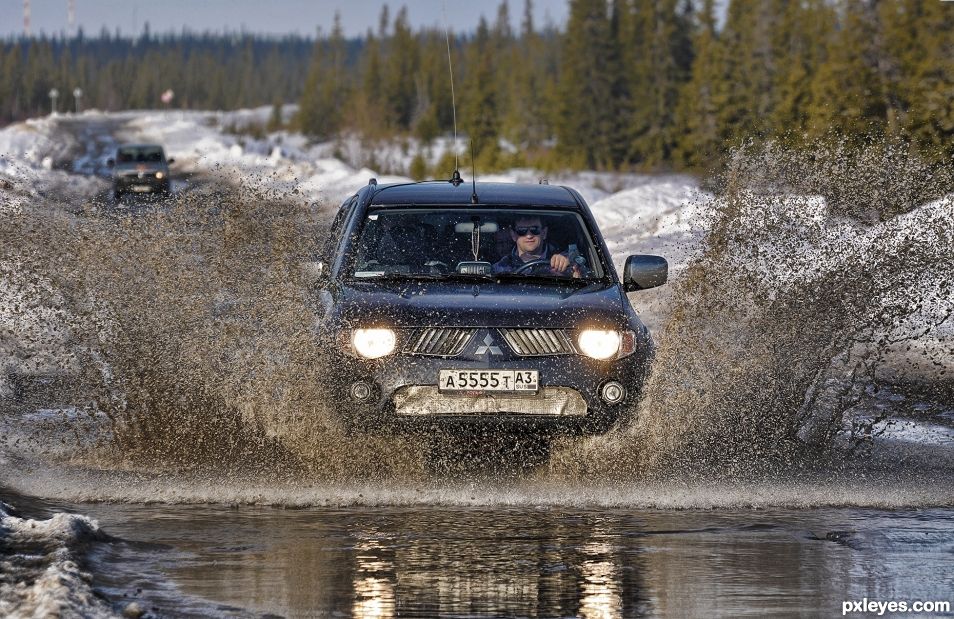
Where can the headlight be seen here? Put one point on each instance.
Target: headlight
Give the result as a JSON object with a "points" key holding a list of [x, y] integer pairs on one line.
{"points": [[373, 343], [159, 175], [599, 344]]}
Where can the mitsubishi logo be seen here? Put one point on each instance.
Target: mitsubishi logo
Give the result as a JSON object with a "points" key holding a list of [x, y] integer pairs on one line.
{"points": [[489, 347]]}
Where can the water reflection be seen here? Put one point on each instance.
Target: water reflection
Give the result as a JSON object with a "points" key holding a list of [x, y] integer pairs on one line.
{"points": [[374, 582], [425, 562], [407, 563], [483, 564], [600, 590]]}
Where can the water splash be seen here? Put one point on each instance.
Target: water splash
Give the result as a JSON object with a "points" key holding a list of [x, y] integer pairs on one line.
{"points": [[191, 325], [819, 274], [188, 326]]}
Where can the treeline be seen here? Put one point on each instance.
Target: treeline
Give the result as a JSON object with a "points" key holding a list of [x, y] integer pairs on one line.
{"points": [[204, 71], [625, 84], [650, 84]]}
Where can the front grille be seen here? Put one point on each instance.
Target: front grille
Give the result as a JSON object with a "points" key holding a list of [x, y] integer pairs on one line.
{"points": [[439, 341], [538, 342], [422, 401]]}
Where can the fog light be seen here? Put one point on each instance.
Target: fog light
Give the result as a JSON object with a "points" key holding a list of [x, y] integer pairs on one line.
{"points": [[360, 391], [612, 392]]}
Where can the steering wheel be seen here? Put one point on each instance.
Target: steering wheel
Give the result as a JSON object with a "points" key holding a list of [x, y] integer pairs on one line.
{"points": [[534, 265]]}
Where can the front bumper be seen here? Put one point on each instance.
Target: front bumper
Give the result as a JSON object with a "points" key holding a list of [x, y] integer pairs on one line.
{"points": [[404, 395], [146, 184]]}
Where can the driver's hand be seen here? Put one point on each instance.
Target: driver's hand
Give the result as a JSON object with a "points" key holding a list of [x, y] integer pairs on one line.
{"points": [[559, 263]]}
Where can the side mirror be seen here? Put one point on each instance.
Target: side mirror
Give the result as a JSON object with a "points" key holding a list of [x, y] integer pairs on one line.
{"points": [[644, 271], [171, 160], [316, 273], [110, 162]]}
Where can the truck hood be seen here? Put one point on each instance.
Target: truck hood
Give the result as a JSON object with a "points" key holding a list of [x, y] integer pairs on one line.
{"points": [[481, 304], [133, 168]]}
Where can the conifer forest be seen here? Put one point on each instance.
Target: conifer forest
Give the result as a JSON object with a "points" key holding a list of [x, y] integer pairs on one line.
{"points": [[624, 84]]}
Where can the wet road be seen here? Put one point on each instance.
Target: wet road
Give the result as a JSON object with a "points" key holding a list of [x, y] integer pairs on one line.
{"points": [[543, 562]]}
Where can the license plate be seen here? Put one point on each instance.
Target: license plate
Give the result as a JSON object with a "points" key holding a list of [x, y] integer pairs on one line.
{"points": [[520, 381], [141, 188]]}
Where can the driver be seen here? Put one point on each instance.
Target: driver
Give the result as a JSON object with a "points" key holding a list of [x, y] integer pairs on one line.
{"points": [[529, 237]]}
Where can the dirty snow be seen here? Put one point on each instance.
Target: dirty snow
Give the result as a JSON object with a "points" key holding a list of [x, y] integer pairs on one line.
{"points": [[40, 573]]}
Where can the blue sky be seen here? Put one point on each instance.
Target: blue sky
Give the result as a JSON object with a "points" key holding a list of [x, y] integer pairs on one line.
{"points": [[264, 16]]}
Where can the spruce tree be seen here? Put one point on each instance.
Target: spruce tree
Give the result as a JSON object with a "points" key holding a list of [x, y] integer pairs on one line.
{"points": [[431, 82], [326, 87], [749, 69], [847, 90], [480, 100], [12, 85], [799, 41], [402, 64], [660, 69], [620, 102], [585, 119], [524, 119], [698, 136], [931, 120], [503, 48], [919, 38], [369, 114]]}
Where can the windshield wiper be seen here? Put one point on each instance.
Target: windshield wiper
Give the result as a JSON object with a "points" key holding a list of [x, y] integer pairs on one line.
{"points": [[437, 277], [545, 278]]}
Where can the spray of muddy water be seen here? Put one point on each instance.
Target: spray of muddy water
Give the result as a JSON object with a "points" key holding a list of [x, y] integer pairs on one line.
{"points": [[191, 327], [823, 278]]}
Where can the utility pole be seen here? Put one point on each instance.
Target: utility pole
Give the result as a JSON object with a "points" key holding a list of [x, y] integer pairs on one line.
{"points": [[54, 95], [26, 18], [77, 97], [71, 16]]}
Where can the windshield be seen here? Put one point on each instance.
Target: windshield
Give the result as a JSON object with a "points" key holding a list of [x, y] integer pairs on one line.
{"points": [[444, 243], [142, 154]]}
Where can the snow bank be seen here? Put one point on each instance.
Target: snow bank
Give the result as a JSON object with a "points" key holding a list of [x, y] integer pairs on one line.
{"points": [[35, 158], [285, 161], [39, 567], [654, 218], [31, 143]]}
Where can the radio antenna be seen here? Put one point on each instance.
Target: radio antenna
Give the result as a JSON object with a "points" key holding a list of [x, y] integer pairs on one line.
{"points": [[450, 67], [473, 162]]}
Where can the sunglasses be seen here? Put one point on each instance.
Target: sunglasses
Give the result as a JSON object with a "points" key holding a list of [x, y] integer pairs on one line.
{"points": [[534, 230]]}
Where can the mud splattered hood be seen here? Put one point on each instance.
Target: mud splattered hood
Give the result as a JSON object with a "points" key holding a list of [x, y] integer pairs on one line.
{"points": [[482, 303]]}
